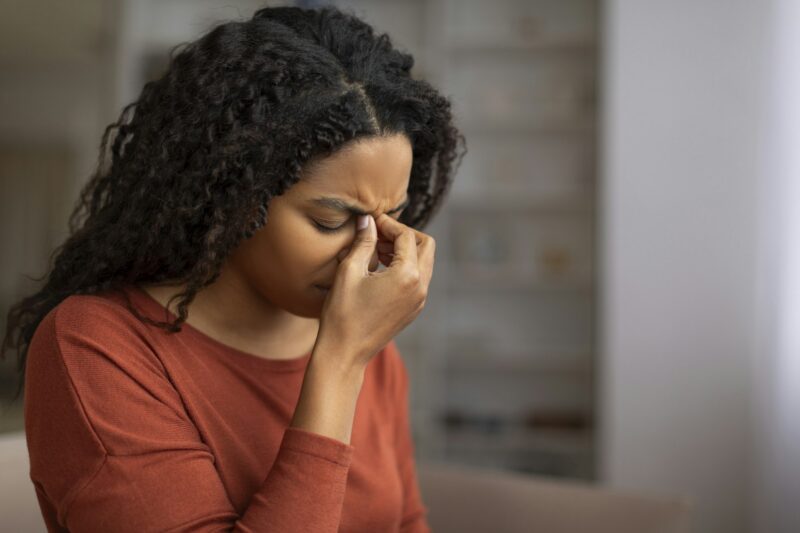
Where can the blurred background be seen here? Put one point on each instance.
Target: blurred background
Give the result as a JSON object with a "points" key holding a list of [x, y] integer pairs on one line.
{"points": [[617, 297]]}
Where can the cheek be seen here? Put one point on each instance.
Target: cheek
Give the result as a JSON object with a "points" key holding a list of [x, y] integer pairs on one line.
{"points": [[315, 250], [302, 248]]}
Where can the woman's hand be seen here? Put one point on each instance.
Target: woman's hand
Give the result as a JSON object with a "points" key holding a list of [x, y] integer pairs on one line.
{"points": [[364, 310]]}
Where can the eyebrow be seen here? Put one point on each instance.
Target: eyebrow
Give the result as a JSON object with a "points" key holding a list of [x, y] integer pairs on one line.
{"points": [[340, 205]]}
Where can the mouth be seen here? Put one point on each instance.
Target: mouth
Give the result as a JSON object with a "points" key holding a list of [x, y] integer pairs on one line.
{"points": [[320, 287]]}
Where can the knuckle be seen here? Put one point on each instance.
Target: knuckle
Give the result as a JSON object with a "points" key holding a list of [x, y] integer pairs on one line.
{"points": [[411, 279]]}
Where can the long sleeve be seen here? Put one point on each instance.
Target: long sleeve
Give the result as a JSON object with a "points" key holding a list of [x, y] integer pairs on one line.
{"points": [[414, 516], [112, 447]]}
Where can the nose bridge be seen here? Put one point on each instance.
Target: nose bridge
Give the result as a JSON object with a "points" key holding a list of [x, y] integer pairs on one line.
{"points": [[382, 206], [380, 209]]}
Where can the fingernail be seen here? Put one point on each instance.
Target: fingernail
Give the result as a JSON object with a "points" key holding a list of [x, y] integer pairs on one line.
{"points": [[362, 221]]}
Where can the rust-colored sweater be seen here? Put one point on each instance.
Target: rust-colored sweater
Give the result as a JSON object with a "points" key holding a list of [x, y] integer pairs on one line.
{"points": [[134, 429]]}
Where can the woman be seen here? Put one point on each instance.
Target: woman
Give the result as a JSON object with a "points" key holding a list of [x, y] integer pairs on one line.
{"points": [[258, 184]]}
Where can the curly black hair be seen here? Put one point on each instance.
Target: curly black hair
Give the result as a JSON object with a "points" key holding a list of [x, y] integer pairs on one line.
{"points": [[236, 116]]}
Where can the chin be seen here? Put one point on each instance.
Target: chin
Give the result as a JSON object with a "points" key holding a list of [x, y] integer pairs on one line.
{"points": [[310, 313], [308, 306]]}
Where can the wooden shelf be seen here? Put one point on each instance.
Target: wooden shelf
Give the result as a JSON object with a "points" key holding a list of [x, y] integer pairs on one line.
{"points": [[464, 46], [575, 363], [521, 201], [475, 280], [527, 127], [519, 440]]}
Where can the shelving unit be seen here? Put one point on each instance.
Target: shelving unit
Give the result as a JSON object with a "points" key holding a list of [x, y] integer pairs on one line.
{"points": [[502, 359]]}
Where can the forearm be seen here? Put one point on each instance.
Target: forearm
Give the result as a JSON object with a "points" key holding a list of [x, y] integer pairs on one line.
{"points": [[328, 396]]}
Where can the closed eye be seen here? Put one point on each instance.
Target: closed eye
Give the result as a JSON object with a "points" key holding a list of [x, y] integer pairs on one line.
{"points": [[327, 229], [333, 229]]}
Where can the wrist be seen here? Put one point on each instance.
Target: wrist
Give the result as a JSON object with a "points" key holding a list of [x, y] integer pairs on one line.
{"points": [[336, 364]]}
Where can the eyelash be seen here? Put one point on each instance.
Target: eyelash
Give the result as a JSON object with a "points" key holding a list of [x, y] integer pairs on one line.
{"points": [[326, 229]]}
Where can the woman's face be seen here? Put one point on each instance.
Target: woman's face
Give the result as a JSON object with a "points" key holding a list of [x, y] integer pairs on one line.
{"points": [[294, 253]]}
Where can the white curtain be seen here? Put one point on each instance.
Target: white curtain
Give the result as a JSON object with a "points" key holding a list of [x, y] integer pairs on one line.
{"points": [[776, 480]]}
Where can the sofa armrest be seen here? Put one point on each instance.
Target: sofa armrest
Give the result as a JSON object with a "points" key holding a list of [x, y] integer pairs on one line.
{"points": [[468, 499], [19, 508]]}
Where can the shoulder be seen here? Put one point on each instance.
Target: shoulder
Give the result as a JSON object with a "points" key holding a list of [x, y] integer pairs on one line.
{"points": [[84, 327], [103, 318], [95, 352], [106, 312]]}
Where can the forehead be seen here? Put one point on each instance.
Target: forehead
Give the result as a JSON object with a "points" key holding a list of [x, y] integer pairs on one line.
{"points": [[367, 172]]}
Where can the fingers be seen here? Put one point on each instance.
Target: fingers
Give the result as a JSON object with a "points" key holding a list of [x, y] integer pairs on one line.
{"points": [[405, 251], [423, 246], [425, 258], [363, 247], [391, 228]]}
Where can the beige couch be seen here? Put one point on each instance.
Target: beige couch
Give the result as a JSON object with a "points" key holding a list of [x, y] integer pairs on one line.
{"points": [[459, 499], [468, 500]]}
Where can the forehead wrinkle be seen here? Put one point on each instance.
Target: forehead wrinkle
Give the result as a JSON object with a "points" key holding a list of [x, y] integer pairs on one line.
{"points": [[349, 181], [342, 204], [391, 208]]}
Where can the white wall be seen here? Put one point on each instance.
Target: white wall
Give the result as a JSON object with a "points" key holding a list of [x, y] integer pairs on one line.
{"points": [[678, 240], [777, 365]]}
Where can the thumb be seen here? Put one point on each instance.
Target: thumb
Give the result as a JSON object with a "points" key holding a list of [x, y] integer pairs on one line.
{"points": [[366, 239]]}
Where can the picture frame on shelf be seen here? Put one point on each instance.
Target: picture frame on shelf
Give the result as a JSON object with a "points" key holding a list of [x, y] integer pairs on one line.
{"points": [[481, 245], [555, 249]]}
